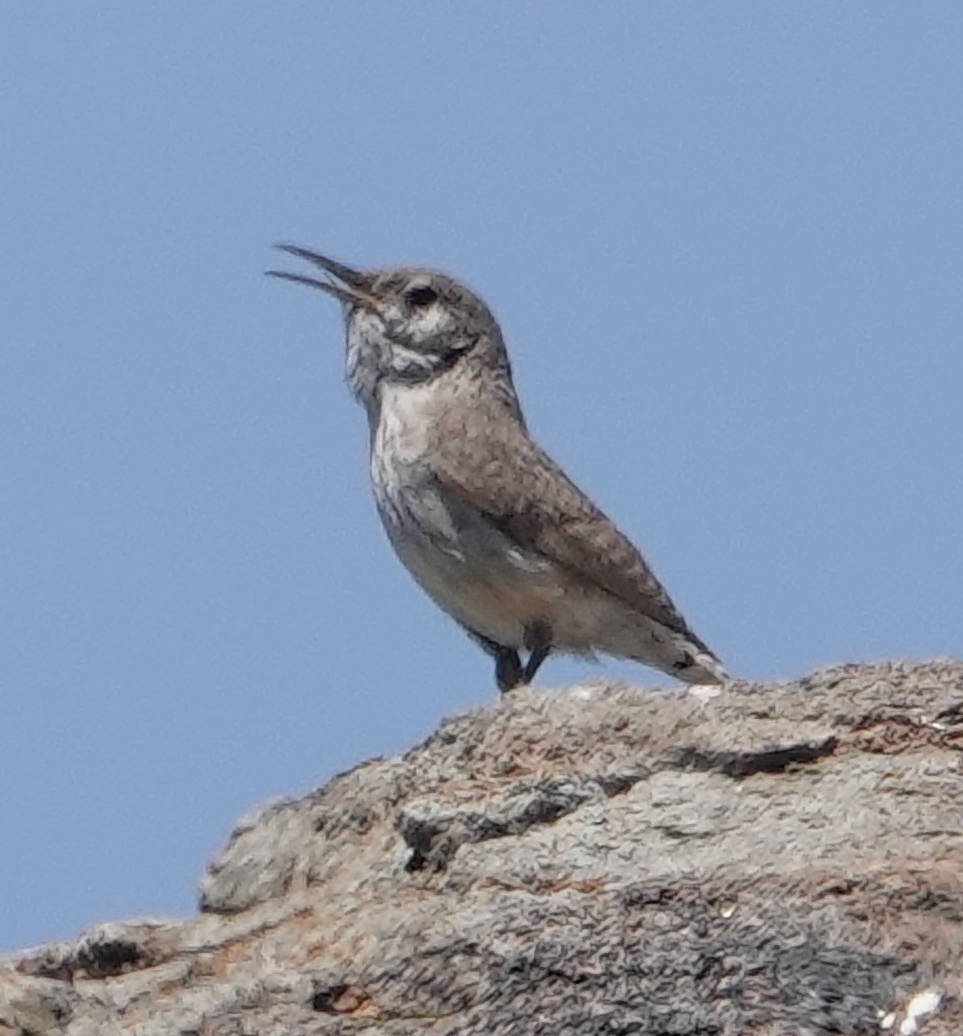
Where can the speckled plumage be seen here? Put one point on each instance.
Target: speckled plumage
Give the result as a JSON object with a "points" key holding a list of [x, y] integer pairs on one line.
{"points": [[484, 520]]}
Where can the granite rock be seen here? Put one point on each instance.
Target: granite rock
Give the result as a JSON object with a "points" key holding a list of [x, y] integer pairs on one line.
{"points": [[774, 859]]}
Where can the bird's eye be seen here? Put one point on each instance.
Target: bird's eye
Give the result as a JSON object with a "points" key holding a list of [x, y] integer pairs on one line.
{"points": [[420, 296]]}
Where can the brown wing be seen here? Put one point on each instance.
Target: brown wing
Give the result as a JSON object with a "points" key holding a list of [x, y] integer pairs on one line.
{"points": [[495, 467]]}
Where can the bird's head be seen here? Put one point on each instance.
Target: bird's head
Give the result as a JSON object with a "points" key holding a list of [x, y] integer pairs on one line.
{"points": [[404, 325]]}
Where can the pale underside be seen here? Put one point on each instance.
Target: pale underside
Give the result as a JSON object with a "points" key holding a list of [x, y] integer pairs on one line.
{"points": [[507, 597]]}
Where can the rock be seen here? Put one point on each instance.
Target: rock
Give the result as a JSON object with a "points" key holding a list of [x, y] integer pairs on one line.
{"points": [[775, 859]]}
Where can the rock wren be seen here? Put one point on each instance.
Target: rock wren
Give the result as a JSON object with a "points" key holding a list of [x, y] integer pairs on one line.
{"points": [[485, 521]]}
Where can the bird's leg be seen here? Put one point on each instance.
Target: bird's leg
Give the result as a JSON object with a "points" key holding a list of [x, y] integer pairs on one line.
{"points": [[508, 670], [508, 666], [538, 640]]}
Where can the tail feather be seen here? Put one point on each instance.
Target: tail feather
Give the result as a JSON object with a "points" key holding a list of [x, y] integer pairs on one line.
{"points": [[690, 660]]}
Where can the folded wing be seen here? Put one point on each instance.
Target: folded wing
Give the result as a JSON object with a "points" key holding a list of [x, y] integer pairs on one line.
{"points": [[496, 468]]}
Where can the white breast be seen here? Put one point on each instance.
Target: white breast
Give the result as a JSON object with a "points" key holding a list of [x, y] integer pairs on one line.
{"points": [[404, 415]]}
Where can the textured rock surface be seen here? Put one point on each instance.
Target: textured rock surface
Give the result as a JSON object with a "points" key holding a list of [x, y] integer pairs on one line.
{"points": [[778, 859]]}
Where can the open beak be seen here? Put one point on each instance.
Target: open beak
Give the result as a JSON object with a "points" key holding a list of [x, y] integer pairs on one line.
{"points": [[352, 288]]}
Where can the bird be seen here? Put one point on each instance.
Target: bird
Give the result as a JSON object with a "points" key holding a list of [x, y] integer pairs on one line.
{"points": [[484, 520]]}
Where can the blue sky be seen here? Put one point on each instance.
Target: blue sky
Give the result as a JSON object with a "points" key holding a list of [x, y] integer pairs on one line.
{"points": [[724, 243]]}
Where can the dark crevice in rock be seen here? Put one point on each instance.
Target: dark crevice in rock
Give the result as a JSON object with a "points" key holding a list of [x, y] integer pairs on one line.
{"points": [[434, 833], [434, 830], [99, 958], [743, 764], [324, 999], [613, 784], [113, 957]]}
